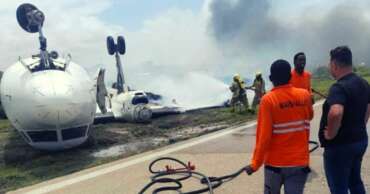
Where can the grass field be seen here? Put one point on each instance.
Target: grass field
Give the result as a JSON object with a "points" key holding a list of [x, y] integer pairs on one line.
{"points": [[322, 80]]}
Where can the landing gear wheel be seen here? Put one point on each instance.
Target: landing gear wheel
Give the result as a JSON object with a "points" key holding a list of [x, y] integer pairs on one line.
{"points": [[111, 46], [121, 45], [29, 17]]}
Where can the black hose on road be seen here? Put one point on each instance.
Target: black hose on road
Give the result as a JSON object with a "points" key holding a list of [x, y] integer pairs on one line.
{"points": [[186, 171]]}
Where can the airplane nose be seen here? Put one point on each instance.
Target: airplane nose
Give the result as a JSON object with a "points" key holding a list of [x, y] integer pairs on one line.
{"points": [[52, 109], [61, 100]]}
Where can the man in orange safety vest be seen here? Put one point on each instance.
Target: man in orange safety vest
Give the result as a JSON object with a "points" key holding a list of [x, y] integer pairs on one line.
{"points": [[300, 77], [283, 134]]}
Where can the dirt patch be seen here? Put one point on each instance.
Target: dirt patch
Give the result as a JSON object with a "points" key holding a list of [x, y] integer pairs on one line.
{"points": [[130, 148]]}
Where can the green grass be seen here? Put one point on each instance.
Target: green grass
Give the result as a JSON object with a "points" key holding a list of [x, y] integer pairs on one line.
{"points": [[322, 80], [4, 132], [21, 165], [322, 86], [364, 72]]}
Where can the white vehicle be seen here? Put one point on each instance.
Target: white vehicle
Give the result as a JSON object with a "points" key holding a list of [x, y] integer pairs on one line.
{"points": [[52, 101]]}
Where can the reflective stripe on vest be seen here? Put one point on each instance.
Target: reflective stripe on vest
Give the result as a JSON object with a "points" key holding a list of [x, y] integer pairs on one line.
{"points": [[290, 127]]}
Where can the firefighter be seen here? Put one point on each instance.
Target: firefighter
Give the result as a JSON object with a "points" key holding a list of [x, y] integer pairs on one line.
{"points": [[259, 90], [239, 93], [283, 134]]}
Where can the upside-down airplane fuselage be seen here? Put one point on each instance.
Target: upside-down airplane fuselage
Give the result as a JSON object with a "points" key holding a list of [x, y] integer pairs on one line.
{"points": [[53, 102], [51, 108]]}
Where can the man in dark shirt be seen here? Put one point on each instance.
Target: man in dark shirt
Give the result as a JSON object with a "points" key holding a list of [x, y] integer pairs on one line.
{"points": [[343, 125]]}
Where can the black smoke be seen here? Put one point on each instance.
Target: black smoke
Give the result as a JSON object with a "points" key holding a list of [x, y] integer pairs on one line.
{"points": [[248, 27]]}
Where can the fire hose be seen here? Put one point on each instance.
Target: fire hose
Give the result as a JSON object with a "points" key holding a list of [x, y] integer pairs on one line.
{"points": [[319, 93], [186, 171]]}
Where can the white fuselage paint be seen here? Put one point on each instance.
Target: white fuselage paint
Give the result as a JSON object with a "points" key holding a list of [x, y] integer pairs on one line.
{"points": [[48, 100], [123, 107]]}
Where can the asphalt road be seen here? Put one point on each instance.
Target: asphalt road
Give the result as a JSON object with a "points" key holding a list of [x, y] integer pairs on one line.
{"points": [[214, 154]]}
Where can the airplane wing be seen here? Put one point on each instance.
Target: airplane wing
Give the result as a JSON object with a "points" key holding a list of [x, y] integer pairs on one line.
{"points": [[158, 110], [103, 118]]}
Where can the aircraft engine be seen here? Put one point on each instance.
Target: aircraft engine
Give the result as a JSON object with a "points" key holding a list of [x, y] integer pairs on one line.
{"points": [[142, 113]]}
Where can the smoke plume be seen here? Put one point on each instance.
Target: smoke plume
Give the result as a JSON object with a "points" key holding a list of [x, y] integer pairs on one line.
{"points": [[255, 29]]}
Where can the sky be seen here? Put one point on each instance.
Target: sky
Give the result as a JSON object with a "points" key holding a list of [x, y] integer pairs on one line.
{"points": [[186, 49], [133, 13]]}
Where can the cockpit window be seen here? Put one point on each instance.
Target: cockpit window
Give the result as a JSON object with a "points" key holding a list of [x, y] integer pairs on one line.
{"points": [[43, 136], [73, 133], [140, 100]]}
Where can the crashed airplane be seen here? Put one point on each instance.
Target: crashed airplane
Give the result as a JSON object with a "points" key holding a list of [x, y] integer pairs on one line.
{"points": [[52, 102], [120, 102]]}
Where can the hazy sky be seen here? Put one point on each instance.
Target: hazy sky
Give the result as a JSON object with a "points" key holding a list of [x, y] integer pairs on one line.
{"points": [[190, 42]]}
